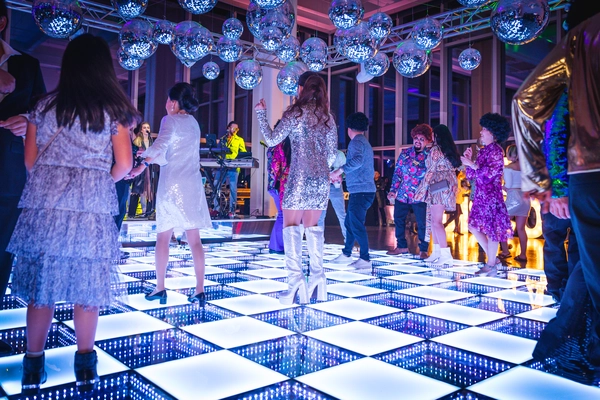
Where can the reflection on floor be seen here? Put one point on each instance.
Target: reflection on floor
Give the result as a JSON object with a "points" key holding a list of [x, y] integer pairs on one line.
{"points": [[404, 329]]}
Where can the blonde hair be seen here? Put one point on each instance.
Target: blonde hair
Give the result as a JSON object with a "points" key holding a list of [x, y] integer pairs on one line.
{"points": [[511, 152]]}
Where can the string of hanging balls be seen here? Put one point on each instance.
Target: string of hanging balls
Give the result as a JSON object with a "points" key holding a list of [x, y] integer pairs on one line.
{"points": [[271, 21]]}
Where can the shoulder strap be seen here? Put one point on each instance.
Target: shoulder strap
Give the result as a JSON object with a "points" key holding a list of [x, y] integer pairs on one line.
{"points": [[59, 130]]}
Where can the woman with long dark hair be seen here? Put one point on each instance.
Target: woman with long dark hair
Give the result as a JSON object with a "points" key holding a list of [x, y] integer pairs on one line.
{"points": [[66, 239], [140, 186], [313, 135]]}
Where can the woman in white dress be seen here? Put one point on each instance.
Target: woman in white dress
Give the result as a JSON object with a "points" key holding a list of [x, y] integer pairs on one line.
{"points": [[180, 199]]}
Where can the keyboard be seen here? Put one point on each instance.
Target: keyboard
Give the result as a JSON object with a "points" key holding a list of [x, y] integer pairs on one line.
{"points": [[230, 163]]}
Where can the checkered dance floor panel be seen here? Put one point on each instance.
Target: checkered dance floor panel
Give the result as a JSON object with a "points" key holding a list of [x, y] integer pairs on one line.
{"points": [[403, 330]]}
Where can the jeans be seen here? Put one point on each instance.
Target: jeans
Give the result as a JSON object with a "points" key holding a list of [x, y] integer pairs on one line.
{"points": [[122, 194], [336, 196], [358, 205], [231, 178], [276, 241], [401, 210]]}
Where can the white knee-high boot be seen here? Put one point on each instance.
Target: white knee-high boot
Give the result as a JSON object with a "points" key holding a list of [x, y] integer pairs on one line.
{"points": [[316, 280], [292, 241]]}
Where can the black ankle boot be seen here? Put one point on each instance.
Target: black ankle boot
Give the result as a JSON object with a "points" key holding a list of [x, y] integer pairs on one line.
{"points": [[85, 371], [34, 374]]}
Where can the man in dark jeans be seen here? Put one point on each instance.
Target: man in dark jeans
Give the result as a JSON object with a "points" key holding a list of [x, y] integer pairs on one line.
{"points": [[359, 182]]}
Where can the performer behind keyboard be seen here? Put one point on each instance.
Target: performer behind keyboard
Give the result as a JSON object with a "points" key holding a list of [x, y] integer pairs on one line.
{"points": [[235, 144]]}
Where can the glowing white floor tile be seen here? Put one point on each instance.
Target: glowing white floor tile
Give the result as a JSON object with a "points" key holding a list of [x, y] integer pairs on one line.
{"points": [[329, 257], [354, 309], [236, 247], [267, 273], [135, 267], [352, 290], [368, 378], [221, 261], [526, 383], [419, 279], [460, 314], [543, 314], [59, 367], [182, 282], [209, 376], [260, 286], [510, 348], [273, 256], [494, 282], [252, 304], [208, 270], [463, 269], [271, 263], [232, 254], [126, 278], [528, 271], [464, 262], [536, 299], [15, 318], [150, 259], [434, 293], [125, 324], [339, 267], [405, 268], [344, 276], [394, 260], [234, 332]]}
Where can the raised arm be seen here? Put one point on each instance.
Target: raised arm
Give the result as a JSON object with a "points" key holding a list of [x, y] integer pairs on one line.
{"points": [[274, 136]]}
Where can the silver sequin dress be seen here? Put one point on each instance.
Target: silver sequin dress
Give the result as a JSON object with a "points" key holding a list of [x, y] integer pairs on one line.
{"points": [[180, 198], [314, 148]]}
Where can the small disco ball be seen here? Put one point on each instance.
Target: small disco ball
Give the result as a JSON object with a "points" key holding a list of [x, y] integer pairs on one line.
{"points": [[314, 53], [197, 6], [287, 10], [519, 21], [277, 19], [340, 39], [287, 79], [129, 9], [346, 13], [469, 59], [229, 50], [377, 65], [248, 74], [136, 38], [289, 49], [380, 26], [164, 32], [57, 18], [127, 62], [253, 17], [192, 42], [211, 70], [233, 28], [474, 3], [269, 4], [271, 38], [410, 61], [360, 45], [427, 33]]}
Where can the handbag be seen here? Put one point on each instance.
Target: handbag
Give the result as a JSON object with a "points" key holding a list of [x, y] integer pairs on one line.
{"points": [[514, 200], [439, 186]]}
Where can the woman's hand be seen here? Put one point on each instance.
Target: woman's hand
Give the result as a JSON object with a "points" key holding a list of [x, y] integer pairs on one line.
{"points": [[468, 162], [468, 153], [135, 172], [261, 105]]}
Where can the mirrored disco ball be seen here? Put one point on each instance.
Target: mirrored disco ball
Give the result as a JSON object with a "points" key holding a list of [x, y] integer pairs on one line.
{"points": [[314, 53], [129, 9], [427, 33], [233, 28], [57, 18], [380, 25], [127, 62], [197, 6], [164, 32], [269, 4], [276, 19], [287, 10], [271, 38], [519, 21], [253, 17], [346, 13], [340, 40], [377, 65], [289, 49], [192, 42], [287, 79], [469, 59], [211, 70], [410, 61], [473, 3], [229, 50], [248, 74], [136, 39], [360, 45]]}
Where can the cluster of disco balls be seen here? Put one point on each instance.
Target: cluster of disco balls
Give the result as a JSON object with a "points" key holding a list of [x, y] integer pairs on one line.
{"points": [[271, 22]]}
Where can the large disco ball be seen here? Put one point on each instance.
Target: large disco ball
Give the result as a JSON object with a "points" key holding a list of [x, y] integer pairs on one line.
{"points": [[248, 74], [269, 4], [197, 6], [469, 59], [473, 3], [519, 21], [314, 53], [427, 33], [289, 49], [127, 62], [164, 32], [410, 61], [229, 50], [211, 70], [233, 28], [136, 38], [271, 38], [57, 18], [253, 17], [287, 78], [380, 25], [377, 65], [192, 42], [360, 45], [277, 19], [346, 13], [129, 9]]}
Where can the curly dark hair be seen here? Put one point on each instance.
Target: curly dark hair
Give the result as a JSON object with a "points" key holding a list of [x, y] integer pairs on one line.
{"points": [[357, 122], [423, 130], [497, 125], [445, 141]]}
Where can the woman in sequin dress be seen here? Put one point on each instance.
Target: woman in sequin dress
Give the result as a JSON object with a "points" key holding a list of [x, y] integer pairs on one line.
{"points": [[313, 136], [488, 219]]}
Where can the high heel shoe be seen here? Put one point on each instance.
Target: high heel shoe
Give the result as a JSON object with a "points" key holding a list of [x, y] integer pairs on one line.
{"points": [[317, 282], [199, 298], [317, 287], [294, 286], [162, 296], [488, 270]]}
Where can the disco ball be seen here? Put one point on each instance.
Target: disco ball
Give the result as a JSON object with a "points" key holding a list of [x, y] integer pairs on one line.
{"points": [[127, 62], [197, 6], [380, 26], [269, 4], [277, 19], [289, 49], [314, 53], [253, 17], [427, 33], [211, 70], [192, 42], [469, 59], [410, 61], [340, 39], [233, 28], [287, 79], [129, 9], [346, 13], [360, 45], [229, 50], [136, 38], [164, 32], [248, 74], [287, 10], [377, 65], [271, 38], [473, 3], [519, 21], [57, 18]]}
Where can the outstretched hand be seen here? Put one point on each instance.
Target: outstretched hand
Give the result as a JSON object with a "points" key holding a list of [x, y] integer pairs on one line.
{"points": [[135, 172], [261, 105]]}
